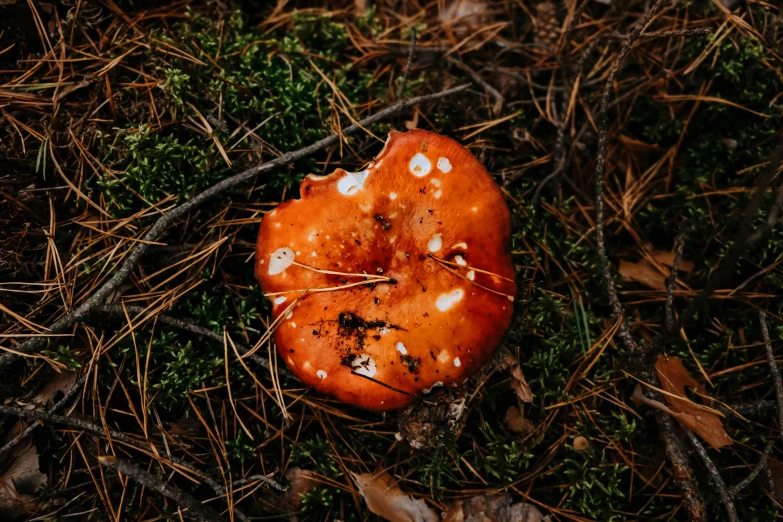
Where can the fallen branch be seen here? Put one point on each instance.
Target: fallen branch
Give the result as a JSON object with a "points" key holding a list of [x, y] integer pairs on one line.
{"points": [[728, 503], [196, 509], [762, 465], [773, 368], [170, 217], [679, 245], [683, 474]]}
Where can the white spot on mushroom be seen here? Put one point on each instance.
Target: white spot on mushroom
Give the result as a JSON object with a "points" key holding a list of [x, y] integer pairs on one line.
{"points": [[435, 181], [312, 235], [401, 348], [352, 182], [471, 275], [378, 165], [306, 365], [293, 324], [280, 300], [438, 194], [460, 261], [449, 299], [463, 245], [277, 225], [321, 374], [383, 330], [313, 253], [281, 259], [444, 356], [457, 362], [444, 165], [289, 315], [420, 166], [298, 253], [364, 365], [392, 195], [474, 209], [435, 242]]}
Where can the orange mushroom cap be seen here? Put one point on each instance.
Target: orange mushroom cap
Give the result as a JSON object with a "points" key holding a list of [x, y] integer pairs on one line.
{"points": [[392, 280]]}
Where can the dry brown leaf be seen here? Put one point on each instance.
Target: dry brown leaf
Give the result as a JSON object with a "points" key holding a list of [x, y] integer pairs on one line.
{"points": [[463, 16], [492, 508], [516, 421], [62, 382], [386, 499], [674, 378], [301, 482], [518, 381], [667, 259], [19, 481], [643, 273]]}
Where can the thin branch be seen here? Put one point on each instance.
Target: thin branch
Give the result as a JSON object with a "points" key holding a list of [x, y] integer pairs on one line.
{"points": [[773, 368], [170, 217], [600, 168], [196, 509], [679, 245], [762, 464], [481, 82], [411, 50], [186, 326], [728, 503], [682, 472]]}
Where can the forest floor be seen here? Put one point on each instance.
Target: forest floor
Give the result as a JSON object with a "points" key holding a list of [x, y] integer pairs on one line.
{"points": [[641, 172]]}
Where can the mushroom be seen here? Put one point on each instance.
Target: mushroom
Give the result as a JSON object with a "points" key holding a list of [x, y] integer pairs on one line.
{"points": [[389, 282]]}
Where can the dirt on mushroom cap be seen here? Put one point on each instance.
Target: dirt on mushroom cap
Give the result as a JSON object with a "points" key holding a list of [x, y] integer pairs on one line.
{"points": [[426, 216]]}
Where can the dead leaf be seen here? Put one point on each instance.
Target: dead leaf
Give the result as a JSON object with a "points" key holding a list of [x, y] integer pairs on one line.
{"points": [[71, 88], [643, 273], [301, 483], [518, 381], [492, 508], [19, 481], [667, 259], [516, 421], [463, 16], [386, 499], [61, 382], [674, 378]]}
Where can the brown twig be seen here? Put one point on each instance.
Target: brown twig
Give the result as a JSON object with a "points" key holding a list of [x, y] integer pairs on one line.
{"points": [[679, 245], [762, 465], [170, 217], [725, 496], [773, 368], [196, 509], [411, 50]]}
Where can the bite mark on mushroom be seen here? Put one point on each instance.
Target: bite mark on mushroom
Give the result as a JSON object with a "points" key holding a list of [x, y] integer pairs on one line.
{"points": [[420, 166], [435, 243], [352, 182], [449, 299], [281, 259], [444, 165], [322, 374]]}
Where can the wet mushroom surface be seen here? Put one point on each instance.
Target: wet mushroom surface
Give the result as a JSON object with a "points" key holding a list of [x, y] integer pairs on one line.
{"points": [[394, 280]]}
